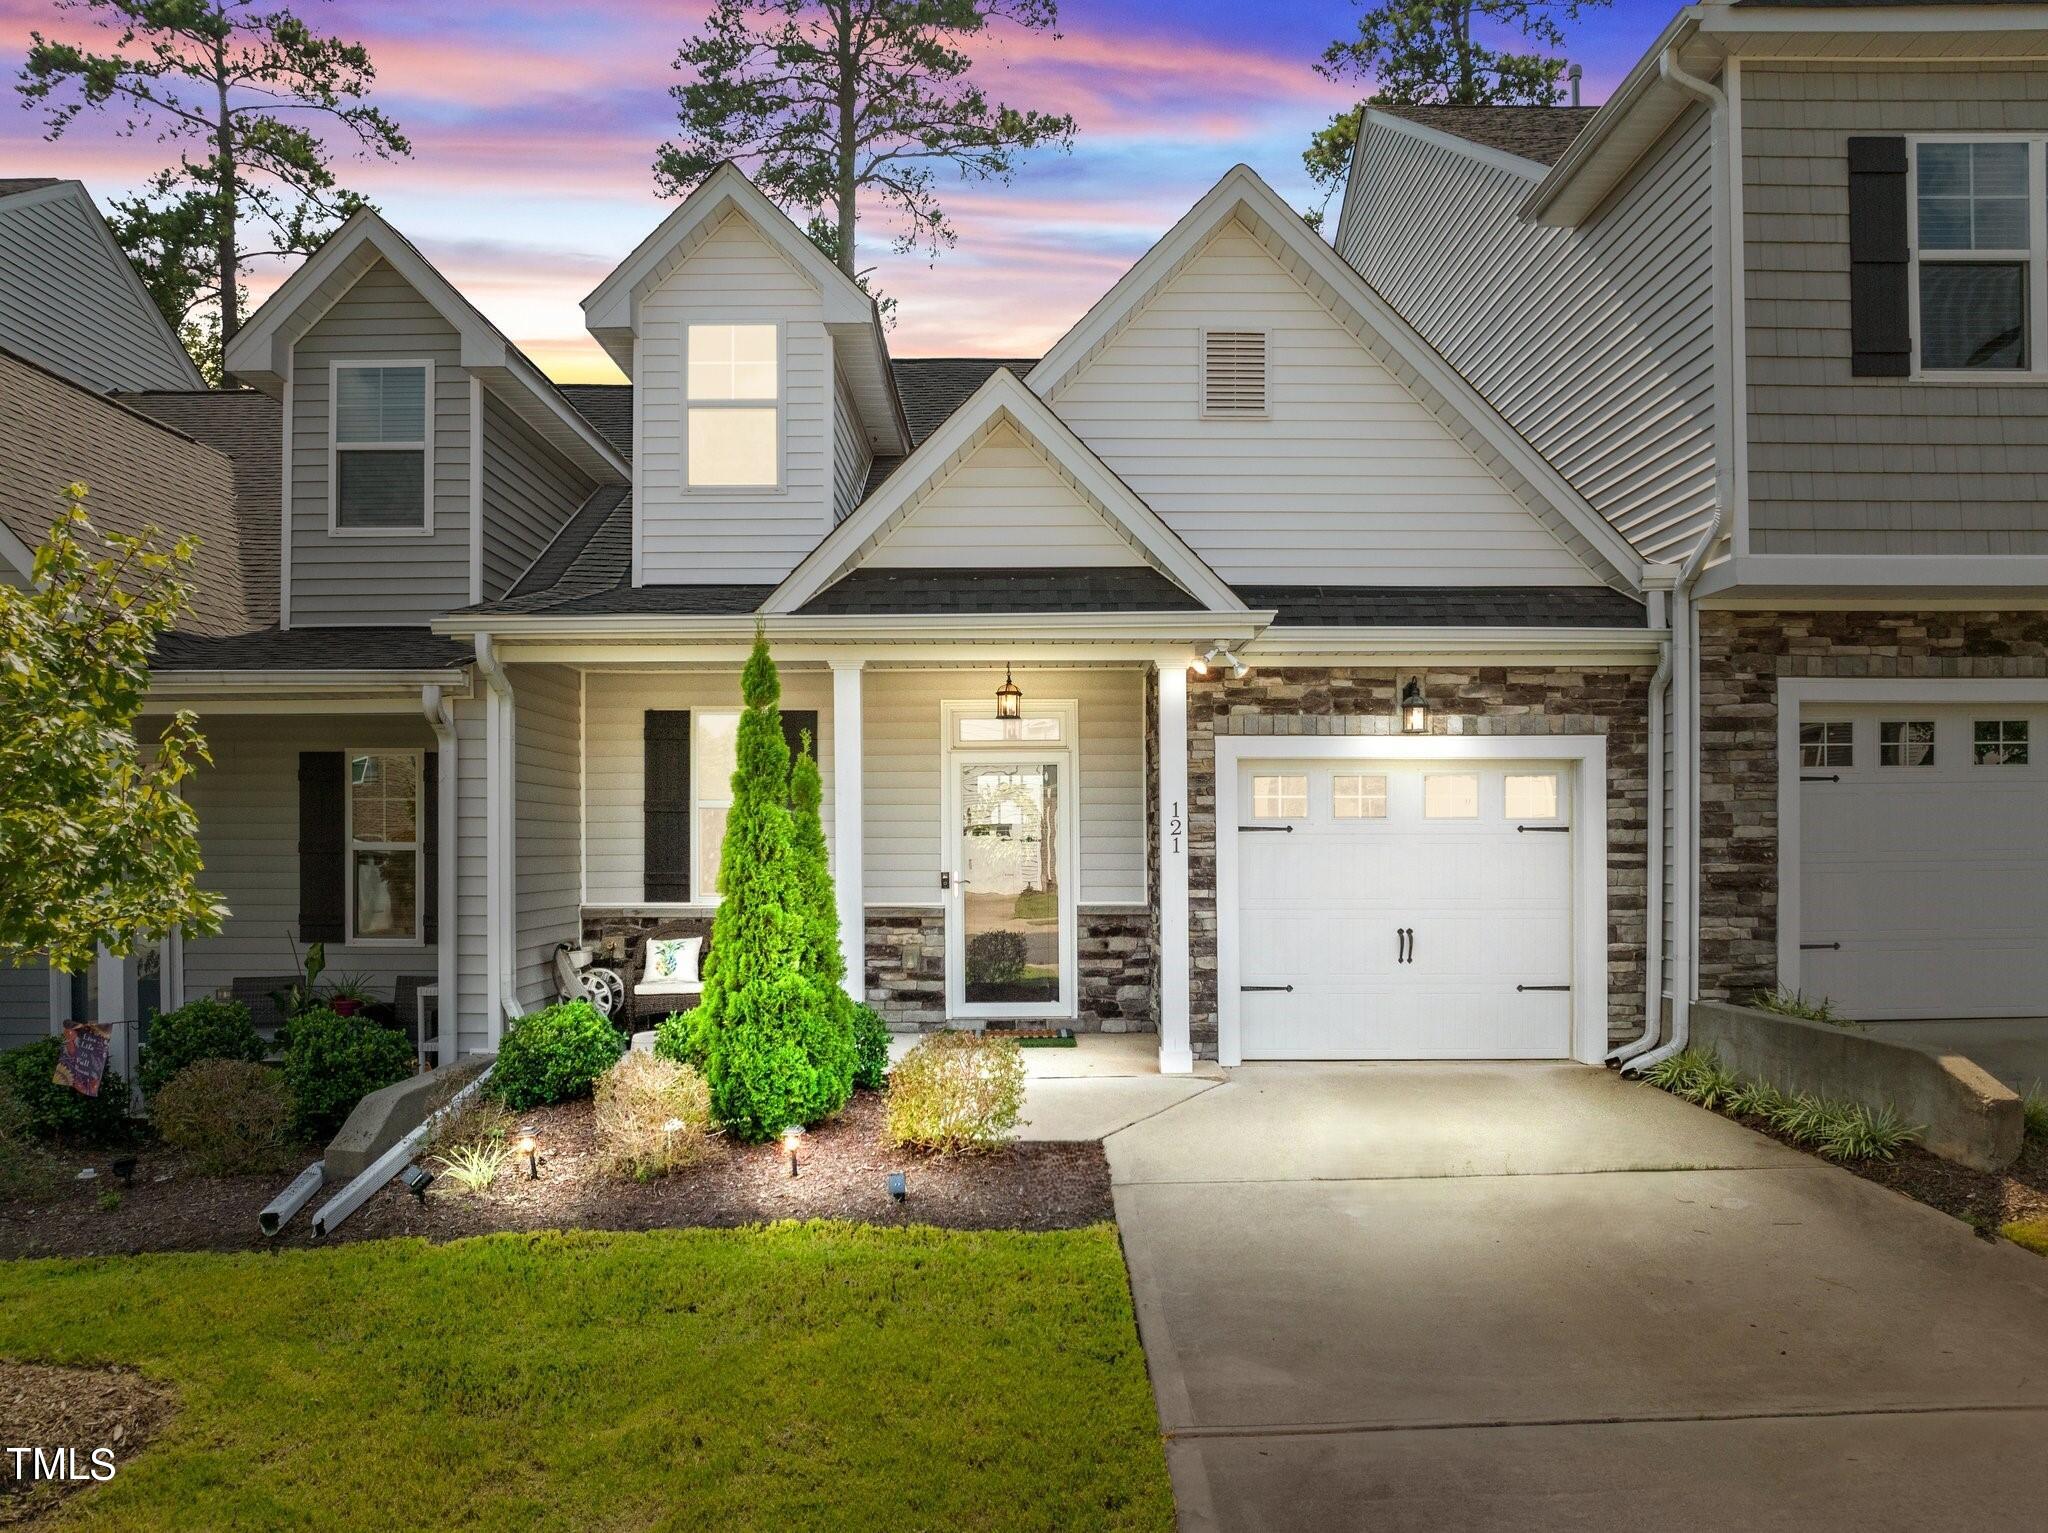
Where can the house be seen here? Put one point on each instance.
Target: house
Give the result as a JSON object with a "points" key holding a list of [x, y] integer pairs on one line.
{"points": [[1475, 638], [1775, 311]]}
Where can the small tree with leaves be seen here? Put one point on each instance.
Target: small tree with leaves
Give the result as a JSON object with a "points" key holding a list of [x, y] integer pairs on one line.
{"points": [[238, 86], [97, 847], [1424, 52], [825, 102], [771, 1041]]}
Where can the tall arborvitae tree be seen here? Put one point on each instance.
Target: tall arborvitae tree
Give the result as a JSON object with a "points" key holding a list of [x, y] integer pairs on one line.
{"points": [[242, 87], [824, 960], [773, 1044]]}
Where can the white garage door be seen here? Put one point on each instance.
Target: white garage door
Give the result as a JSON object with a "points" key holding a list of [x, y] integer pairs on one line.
{"points": [[1923, 860], [1404, 912]]}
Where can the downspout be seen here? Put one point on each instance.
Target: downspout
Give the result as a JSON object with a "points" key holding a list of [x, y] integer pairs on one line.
{"points": [[499, 865], [1653, 873], [442, 718]]}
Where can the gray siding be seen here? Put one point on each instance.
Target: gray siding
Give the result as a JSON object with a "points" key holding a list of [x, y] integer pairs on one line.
{"points": [[1841, 465], [549, 745], [248, 807], [850, 454], [24, 1002], [69, 301], [1596, 343], [472, 914], [396, 578], [529, 491]]}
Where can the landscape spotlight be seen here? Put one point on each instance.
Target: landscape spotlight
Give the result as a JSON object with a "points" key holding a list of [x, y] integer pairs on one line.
{"points": [[790, 1137], [899, 1186], [417, 1179], [526, 1145]]}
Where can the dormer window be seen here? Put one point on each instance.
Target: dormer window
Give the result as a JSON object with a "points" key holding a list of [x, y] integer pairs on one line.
{"points": [[734, 430], [382, 438]]}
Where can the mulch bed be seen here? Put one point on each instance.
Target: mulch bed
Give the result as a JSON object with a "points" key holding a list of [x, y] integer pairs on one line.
{"points": [[1986, 1199], [75, 1409], [843, 1172]]}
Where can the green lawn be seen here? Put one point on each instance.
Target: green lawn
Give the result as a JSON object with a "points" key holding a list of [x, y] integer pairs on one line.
{"points": [[798, 1376]]}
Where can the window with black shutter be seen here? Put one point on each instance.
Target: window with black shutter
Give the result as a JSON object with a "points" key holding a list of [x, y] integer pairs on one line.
{"points": [[665, 796], [323, 843]]}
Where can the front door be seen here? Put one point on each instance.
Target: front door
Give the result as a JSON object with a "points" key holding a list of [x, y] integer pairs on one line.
{"points": [[1009, 929]]}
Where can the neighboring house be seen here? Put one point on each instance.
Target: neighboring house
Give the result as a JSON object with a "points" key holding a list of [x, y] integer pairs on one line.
{"points": [[1538, 611], [1777, 308]]}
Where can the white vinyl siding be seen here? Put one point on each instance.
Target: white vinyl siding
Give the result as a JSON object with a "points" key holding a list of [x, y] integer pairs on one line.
{"points": [[529, 491], [1596, 343], [732, 276], [1002, 506], [67, 303], [363, 578], [615, 745], [851, 457], [902, 734], [1348, 479], [1234, 372], [248, 808], [546, 849]]}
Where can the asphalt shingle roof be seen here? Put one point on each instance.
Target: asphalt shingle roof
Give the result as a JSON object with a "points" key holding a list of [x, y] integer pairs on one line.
{"points": [[609, 408], [311, 649], [1444, 606], [902, 591], [14, 185], [1539, 133]]}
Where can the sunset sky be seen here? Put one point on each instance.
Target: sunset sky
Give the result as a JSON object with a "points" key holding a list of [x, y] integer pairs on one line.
{"points": [[534, 123]]}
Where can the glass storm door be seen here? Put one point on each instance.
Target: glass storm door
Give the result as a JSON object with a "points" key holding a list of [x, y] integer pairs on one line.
{"points": [[1010, 952]]}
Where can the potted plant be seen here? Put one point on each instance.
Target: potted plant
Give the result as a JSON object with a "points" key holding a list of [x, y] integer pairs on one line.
{"points": [[349, 995]]}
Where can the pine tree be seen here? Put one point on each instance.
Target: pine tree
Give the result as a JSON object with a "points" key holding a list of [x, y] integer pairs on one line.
{"points": [[767, 1035]]}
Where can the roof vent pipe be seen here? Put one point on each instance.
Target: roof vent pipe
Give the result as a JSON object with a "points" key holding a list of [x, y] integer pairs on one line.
{"points": [[1574, 73]]}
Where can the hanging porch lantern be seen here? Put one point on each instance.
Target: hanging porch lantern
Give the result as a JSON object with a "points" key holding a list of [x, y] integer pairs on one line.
{"points": [[1009, 700], [1414, 708]]}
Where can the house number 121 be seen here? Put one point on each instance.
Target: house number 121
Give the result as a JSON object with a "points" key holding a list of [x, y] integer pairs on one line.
{"points": [[1173, 825]]}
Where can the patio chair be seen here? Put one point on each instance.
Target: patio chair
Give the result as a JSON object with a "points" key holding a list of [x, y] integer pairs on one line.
{"points": [[649, 998]]}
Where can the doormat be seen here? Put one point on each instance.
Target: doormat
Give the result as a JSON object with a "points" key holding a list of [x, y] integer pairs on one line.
{"points": [[1040, 1038]]}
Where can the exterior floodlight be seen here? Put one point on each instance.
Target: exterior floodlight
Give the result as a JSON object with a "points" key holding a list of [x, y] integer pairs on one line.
{"points": [[417, 1179], [1221, 655], [1414, 708]]}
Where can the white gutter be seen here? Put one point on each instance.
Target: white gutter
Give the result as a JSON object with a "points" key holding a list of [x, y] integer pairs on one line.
{"points": [[1686, 803], [442, 718], [859, 628], [1653, 873], [355, 1193], [254, 683], [1611, 645], [500, 796]]}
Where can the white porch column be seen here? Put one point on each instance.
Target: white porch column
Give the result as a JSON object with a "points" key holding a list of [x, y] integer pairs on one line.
{"points": [[848, 811], [1176, 1053]]}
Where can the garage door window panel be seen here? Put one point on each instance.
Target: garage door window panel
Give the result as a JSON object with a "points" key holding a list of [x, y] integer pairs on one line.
{"points": [[1450, 796], [1530, 796], [1358, 796], [1905, 743], [1279, 796], [1827, 744], [2000, 742]]}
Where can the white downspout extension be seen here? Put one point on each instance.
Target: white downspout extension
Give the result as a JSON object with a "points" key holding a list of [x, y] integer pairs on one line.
{"points": [[1653, 873], [442, 718], [499, 861]]}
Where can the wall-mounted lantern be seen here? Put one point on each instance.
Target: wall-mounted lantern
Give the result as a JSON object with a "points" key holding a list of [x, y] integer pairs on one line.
{"points": [[1414, 708], [1009, 700]]}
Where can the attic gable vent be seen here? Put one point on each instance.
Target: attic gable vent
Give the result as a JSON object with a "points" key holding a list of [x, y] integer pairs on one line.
{"points": [[1234, 372]]}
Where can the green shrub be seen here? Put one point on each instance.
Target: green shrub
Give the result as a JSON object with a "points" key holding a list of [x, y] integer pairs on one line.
{"points": [[653, 1116], [51, 1111], [1754, 1099], [228, 1115], [26, 1169], [2034, 1110], [682, 1038], [1696, 1075], [956, 1091], [203, 1029], [996, 957], [870, 1048], [554, 1054], [1793, 1003], [474, 1167], [1850, 1131], [1838, 1130], [333, 1062]]}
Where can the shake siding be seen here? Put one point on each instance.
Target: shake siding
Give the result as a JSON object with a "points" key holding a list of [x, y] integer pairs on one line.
{"points": [[615, 709], [530, 491], [472, 911], [378, 579], [549, 746], [66, 302], [1002, 505], [1842, 465], [901, 730], [24, 1002], [248, 808], [851, 458], [1595, 343], [732, 276], [1350, 480]]}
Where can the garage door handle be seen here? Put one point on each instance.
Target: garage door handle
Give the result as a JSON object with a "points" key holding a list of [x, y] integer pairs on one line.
{"points": [[1405, 951], [1520, 988], [1248, 989], [1284, 830], [1831, 777]]}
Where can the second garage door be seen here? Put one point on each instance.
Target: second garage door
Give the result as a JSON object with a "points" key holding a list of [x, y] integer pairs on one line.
{"points": [[1404, 911]]}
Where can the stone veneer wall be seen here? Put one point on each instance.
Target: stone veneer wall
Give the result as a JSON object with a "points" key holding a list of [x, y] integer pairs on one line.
{"points": [[1476, 700], [1742, 657], [1114, 955]]}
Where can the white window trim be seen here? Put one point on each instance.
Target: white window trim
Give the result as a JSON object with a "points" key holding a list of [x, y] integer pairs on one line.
{"points": [[1202, 410], [780, 403], [425, 447], [705, 899], [417, 846], [2035, 260]]}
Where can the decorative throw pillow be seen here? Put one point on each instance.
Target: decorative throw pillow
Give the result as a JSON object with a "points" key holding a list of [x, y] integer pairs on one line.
{"points": [[672, 958]]}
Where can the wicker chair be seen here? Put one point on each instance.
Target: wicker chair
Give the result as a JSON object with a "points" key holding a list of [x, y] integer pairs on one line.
{"points": [[643, 1009]]}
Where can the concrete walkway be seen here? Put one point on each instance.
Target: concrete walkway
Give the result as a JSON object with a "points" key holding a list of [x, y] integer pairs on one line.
{"points": [[1540, 1297]]}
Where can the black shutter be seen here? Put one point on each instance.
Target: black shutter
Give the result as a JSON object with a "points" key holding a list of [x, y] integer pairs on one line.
{"points": [[1880, 332], [430, 847], [665, 798], [323, 854], [795, 721]]}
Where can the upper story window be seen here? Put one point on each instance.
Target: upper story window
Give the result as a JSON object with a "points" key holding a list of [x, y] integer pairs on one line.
{"points": [[734, 430], [1979, 213], [382, 440]]}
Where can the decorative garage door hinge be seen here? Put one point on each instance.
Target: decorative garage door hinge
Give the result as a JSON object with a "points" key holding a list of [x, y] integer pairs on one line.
{"points": [[1520, 988], [1820, 947], [1284, 830], [1550, 830], [1248, 988]]}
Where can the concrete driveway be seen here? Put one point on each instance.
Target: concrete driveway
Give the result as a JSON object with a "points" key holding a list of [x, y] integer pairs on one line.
{"points": [[1539, 1297]]}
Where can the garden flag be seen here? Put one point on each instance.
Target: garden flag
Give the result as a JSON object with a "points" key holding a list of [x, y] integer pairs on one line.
{"points": [[83, 1060]]}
